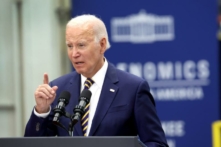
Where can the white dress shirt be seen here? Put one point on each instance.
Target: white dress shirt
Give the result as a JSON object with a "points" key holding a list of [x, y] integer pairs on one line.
{"points": [[95, 89]]}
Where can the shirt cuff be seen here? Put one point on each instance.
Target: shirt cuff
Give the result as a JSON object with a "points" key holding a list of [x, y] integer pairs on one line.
{"points": [[42, 115]]}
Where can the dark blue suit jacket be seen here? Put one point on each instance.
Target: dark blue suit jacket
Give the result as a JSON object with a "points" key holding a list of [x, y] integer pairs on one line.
{"points": [[128, 111]]}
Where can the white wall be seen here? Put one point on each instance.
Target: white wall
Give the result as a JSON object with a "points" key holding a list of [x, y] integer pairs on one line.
{"points": [[31, 43]]}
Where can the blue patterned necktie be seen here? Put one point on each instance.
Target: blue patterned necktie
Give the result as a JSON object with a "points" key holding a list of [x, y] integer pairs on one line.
{"points": [[84, 121]]}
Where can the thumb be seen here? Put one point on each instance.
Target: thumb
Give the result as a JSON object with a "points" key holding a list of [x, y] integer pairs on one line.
{"points": [[55, 88]]}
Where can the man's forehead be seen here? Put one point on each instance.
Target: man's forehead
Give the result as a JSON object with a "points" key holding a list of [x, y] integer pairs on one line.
{"points": [[79, 37]]}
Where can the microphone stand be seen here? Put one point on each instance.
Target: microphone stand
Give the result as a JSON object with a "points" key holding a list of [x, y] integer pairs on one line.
{"points": [[71, 127], [78, 112], [55, 120]]}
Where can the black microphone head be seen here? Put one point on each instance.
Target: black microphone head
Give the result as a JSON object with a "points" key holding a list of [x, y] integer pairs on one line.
{"points": [[65, 96], [79, 109], [86, 94]]}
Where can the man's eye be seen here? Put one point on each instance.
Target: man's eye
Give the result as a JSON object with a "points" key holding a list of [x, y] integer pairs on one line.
{"points": [[69, 46], [81, 44]]}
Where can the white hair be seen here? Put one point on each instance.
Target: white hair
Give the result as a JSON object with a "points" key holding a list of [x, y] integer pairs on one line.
{"points": [[99, 27]]}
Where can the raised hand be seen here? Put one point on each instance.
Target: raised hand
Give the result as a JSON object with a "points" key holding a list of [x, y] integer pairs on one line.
{"points": [[44, 95]]}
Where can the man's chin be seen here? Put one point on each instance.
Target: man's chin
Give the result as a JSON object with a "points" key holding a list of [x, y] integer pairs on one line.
{"points": [[79, 71]]}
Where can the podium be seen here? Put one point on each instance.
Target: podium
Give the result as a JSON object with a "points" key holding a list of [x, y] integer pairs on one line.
{"points": [[71, 142]]}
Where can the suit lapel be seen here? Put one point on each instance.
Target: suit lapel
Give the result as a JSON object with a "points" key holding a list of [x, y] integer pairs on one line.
{"points": [[108, 94], [74, 89]]}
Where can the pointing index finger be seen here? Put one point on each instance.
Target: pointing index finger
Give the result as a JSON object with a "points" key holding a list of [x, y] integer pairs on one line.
{"points": [[45, 81]]}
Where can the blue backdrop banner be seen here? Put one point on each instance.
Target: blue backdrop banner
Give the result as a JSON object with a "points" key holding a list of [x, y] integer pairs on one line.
{"points": [[173, 45]]}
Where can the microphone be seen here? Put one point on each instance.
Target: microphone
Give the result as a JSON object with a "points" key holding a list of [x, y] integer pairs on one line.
{"points": [[62, 102], [79, 109]]}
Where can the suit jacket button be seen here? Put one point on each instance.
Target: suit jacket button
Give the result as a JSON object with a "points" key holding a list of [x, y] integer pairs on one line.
{"points": [[37, 127]]}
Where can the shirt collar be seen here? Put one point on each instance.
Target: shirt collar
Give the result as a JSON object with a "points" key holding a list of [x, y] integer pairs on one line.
{"points": [[98, 78]]}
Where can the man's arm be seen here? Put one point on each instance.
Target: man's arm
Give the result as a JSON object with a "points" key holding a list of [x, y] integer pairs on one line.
{"points": [[148, 124], [38, 126], [44, 96]]}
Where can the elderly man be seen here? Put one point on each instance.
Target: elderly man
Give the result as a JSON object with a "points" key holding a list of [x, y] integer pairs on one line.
{"points": [[120, 105]]}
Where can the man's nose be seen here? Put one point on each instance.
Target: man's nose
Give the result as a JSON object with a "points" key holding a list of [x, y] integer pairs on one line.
{"points": [[75, 52]]}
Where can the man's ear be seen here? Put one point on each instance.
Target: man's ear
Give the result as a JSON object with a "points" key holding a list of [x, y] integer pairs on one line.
{"points": [[103, 45]]}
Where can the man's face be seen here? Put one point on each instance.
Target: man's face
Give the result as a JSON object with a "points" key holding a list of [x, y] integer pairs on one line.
{"points": [[84, 52]]}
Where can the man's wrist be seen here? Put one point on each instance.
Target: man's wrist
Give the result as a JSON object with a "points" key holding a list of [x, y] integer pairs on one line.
{"points": [[42, 115], [42, 110]]}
